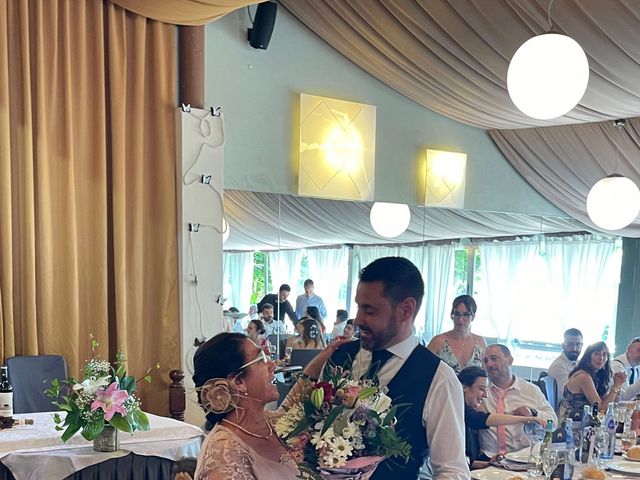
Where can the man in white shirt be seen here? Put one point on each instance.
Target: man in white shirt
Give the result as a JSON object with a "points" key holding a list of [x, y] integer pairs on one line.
{"points": [[562, 366], [310, 299], [628, 362], [388, 296], [509, 394], [271, 326]]}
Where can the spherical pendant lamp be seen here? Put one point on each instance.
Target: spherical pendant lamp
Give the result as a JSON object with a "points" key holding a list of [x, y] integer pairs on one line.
{"points": [[613, 202], [390, 219], [548, 76]]}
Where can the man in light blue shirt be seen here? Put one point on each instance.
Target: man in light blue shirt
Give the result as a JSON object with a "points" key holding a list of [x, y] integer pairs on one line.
{"points": [[309, 299]]}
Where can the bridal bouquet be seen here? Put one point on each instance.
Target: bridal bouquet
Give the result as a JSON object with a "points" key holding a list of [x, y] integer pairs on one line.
{"points": [[342, 428], [106, 396]]}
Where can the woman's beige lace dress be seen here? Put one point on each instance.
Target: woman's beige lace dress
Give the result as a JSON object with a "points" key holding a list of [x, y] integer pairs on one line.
{"points": [[225, 455]]}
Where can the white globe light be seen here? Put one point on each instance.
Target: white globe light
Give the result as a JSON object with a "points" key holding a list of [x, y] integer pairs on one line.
{"points": [[390, 219], [548, 76], [226, 229], [613, 202]]}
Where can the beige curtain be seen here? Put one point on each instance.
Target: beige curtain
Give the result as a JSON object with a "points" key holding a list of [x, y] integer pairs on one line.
{"points": [[184, 12], [452, 56], [87, 186]]}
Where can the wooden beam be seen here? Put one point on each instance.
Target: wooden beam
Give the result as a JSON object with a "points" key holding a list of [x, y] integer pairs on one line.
{"points": [[191, 65]]}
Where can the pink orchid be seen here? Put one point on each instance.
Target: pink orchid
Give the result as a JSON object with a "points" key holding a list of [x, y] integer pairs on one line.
{"points": [[110, 400]]}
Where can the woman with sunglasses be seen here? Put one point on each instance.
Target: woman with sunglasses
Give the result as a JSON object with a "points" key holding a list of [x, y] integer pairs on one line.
{"points": [[235, 381], [458, 347]]}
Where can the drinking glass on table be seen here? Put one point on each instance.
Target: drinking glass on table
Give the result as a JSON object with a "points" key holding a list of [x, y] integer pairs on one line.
{"points": [[287, 354], [628, 440], [550, 461], [601, 442], [534, 465], [535, 433]]}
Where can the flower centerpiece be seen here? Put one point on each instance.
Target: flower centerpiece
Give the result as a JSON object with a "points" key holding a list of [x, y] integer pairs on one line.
{"points": [[104, 400], [342, 427]]}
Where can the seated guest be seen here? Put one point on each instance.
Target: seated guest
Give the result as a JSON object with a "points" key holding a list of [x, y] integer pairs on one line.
{"points": [[341, 320], [474, 386], [253, 312], [562, 366], [512, 395], [349, 330], [256, 331], [271, 326], [233, 378], [628, 362], [281, 304], [458, 347], [590, 382], [310, 336]]}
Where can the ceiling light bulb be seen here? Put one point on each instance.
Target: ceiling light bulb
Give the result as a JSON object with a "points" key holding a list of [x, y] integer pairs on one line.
{"points": [[613, 202], [548, 76], [390, 219]]}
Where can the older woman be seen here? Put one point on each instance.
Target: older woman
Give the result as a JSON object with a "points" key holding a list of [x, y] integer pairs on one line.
{"points": [[474, 386], [235, 381], [591, 381], [459, 348]]}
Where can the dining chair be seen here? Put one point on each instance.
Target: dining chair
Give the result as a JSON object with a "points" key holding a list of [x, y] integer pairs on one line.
{"points": [[549, 387], [30, 376]]}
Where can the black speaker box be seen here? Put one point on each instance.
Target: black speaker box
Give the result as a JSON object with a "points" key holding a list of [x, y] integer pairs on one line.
{"points": [[260, 34]]}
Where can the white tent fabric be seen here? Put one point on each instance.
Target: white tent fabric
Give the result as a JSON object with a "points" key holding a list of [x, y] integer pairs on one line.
{"points": [[310, 222], [284, 266], [328, 270], [238, 279]]}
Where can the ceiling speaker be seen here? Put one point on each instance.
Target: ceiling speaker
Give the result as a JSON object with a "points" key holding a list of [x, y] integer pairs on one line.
{"points": [[260, 34]]}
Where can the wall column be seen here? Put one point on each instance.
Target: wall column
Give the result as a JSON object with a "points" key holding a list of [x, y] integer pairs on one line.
{"points": [[628, 315], [191, 65]]}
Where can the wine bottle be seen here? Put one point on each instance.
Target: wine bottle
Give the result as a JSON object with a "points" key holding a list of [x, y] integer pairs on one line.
{"points": [[6, 393], [547, 438]]}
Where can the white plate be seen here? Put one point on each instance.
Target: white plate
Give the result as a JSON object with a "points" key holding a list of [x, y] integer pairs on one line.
{"points": [[493, 473], [624, 455], [521, 456], [625, 467]]}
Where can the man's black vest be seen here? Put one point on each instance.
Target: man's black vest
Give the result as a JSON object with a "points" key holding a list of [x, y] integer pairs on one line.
{"points": [[410, 385]]}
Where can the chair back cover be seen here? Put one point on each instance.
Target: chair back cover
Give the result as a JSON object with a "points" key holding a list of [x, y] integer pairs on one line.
{"points": [[30, 376], [302, 356], [549, 387]]}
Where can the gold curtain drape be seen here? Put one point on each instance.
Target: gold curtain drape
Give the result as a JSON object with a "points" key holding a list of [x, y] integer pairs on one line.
{"points": [[88, 227], [184, 12]]}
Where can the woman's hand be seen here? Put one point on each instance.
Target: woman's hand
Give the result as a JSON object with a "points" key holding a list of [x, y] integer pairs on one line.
{"points": [[619, 378], [314, 368]]}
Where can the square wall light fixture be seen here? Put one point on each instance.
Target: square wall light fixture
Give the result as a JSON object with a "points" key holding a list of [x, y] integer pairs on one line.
{"points": [[337, 148], [445, 179]]}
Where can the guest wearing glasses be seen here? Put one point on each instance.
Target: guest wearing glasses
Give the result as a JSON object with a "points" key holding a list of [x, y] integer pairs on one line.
{"points": [[458, 347], [629, 362], [235, 381], [591, 381]]}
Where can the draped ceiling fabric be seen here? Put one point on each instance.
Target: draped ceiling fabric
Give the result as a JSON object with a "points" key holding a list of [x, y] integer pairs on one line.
{"points": [[87, 243], [266, 221], [183, 12], [452, 56]]}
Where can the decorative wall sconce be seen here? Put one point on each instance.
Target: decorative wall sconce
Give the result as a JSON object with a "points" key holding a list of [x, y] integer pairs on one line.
{"points": [[445, 179], [337, 148]]}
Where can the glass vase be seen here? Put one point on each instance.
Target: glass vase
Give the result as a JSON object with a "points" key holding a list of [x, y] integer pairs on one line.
{"points": [[107, 441]]}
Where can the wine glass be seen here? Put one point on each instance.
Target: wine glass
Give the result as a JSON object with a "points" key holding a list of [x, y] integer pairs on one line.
{"points": [[628, 440], [287, 354], [549, 462]]}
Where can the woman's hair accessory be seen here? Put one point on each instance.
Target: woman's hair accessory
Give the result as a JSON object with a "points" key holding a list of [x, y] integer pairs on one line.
{"points": [[219, 395]]}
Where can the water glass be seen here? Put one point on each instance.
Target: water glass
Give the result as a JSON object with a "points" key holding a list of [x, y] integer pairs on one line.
{"points": [[287, 354], [601, 443], [534, 465], [550, 461], [628, 440]]}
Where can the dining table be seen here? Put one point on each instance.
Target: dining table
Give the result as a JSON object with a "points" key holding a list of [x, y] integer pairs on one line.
{"points": [[29, 452]]}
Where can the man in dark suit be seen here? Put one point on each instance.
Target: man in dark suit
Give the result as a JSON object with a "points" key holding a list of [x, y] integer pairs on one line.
{"points": [[280, 303], [389, 296]]}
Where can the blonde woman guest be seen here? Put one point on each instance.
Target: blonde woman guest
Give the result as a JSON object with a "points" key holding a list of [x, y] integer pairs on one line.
{"points": [[458, 347]]}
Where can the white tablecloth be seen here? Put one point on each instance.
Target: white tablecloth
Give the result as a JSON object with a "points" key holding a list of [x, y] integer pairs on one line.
{"points": [[37, 452]]}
